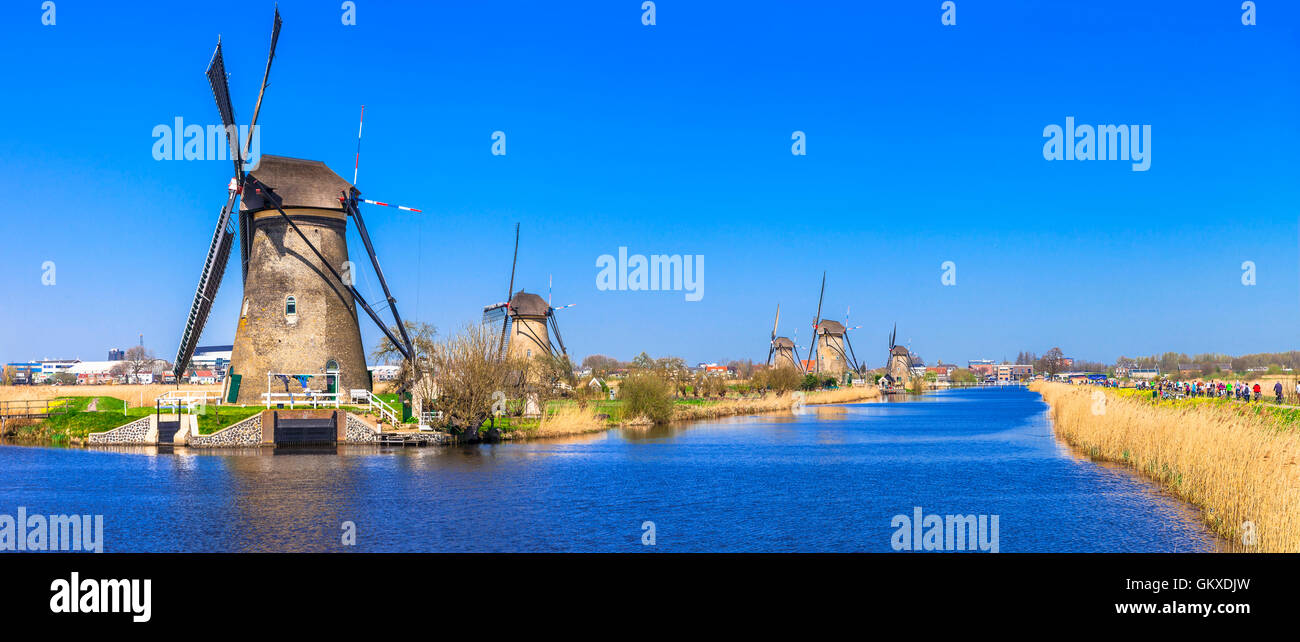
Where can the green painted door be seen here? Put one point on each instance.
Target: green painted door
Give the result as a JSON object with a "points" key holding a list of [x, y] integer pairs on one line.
{"points": [[233, 394]]}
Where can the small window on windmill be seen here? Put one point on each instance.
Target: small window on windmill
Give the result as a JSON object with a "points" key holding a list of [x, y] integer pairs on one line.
{"points": [[291, 309], [530, 353], [331, 366]]}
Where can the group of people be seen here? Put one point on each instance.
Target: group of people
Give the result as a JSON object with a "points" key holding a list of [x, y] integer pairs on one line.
{"points": [[1239, 390]]}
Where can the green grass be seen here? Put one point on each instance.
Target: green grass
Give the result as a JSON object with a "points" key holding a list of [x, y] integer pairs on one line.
{"points": [[220, 417], [76, 422]]}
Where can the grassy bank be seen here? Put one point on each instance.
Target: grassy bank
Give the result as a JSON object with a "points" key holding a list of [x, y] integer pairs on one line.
{"points": [[80, 417], [1236, 462]]}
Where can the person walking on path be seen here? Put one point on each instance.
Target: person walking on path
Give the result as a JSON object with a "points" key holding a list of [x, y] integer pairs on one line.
{"points": [[1277, 391]]}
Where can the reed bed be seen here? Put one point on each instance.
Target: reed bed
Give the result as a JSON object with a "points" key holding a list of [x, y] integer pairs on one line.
{"points": [[1239, 467], [783, 403], [564, 420], [569, 419], [134, 395]]}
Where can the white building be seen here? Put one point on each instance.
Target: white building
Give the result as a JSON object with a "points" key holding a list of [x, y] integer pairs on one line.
{"points": [[93, 372], [383, 372], [51, 367], [214, 358]]}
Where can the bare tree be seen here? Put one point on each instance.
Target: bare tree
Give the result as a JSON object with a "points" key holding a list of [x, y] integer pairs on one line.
{"points": [[1051, 361], [120, 371], [139, 360], [423, 342], [600, 364], [470, 375]]}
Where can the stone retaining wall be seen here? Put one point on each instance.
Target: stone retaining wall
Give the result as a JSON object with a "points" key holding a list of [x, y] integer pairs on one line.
{"points": [[134, 433], [245, 433], [359, 432]]}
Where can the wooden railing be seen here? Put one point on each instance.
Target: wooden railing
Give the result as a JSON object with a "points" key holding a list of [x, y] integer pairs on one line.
{"points": [[386, 411], [313, 400], [33, 409]]}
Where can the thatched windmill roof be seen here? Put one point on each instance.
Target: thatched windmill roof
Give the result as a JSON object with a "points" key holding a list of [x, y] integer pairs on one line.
{"points": [[783, 342], [299, 183], [828, 326], [524, 304], [900, 351]]}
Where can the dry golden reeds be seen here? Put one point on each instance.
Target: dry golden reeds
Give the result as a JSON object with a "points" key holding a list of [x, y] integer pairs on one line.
{"points": [[1240, 468], [569, 419], [773, 403]]}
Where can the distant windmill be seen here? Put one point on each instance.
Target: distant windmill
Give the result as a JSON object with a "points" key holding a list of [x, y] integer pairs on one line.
{"points": [[527, 320], [832, 352], [781, 351], [899, 368]]}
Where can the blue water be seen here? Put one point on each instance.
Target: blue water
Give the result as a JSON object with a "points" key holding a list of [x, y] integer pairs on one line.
{"points": [[828, 480]]}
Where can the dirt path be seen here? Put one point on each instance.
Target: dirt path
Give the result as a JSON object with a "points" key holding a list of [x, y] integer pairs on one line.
{"points": [[93, 405]]}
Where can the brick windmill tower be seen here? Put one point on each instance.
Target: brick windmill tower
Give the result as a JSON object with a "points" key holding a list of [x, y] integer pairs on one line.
{"points": [[298, 315], [831, 357]]}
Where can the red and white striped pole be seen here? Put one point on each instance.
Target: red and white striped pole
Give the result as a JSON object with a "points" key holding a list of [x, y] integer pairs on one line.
{"points": [[400, 207], [357, 166]]}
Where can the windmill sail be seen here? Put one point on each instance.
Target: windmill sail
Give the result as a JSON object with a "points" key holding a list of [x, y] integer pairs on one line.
{"points": [[246, 219], [497, 313], [771, 342], [266, 75], [214, 267], [221, 93], [814, 354], [510, 292]]}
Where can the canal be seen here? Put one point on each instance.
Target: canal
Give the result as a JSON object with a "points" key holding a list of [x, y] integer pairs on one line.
{"points": [[829, 479]]}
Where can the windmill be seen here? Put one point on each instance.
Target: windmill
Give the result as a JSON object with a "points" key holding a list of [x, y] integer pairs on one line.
{"points": [[899, 368], [830, 341], [298, 313], [527, 320], [782, 351]]}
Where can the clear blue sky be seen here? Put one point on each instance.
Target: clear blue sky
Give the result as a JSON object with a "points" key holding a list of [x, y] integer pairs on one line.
{"points": [[924, 146]]}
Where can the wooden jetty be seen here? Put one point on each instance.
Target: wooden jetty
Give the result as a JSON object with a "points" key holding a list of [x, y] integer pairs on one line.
{"points": [[410, 438]]}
